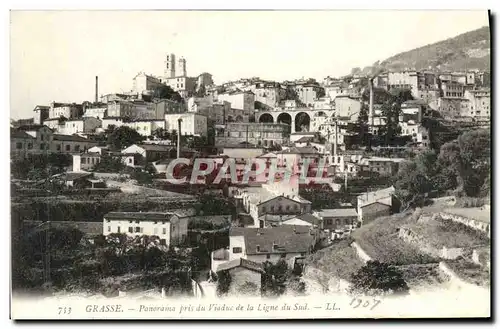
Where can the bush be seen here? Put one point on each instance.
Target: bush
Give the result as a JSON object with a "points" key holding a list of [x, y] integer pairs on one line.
{"points": [[377, 278]]}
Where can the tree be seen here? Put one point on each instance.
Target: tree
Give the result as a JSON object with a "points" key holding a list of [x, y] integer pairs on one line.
{"points": [[166, 92], [415, 179], [123, 137], [467, 160], [355, 70], [142, 177], [378, 278], [223, 283], [274, 278], [109, 164]]}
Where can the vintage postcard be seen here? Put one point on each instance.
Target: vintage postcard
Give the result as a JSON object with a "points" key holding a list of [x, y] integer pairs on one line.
{"points": [[250, 164]]}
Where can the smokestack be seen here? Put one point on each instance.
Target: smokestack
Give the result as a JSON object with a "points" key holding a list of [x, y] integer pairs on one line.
{"points": [[371, 103], [179, 138], [96, 88]]}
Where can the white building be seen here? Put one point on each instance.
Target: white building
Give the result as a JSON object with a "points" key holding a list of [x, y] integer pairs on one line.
{"points": [[83, 125], [85, 161], [146, 127], [192, 124], [96, 112], [168, 227], [68, 111]]}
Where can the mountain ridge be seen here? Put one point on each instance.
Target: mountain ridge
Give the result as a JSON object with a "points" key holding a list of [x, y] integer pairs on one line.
{"points": [[469, 50]]}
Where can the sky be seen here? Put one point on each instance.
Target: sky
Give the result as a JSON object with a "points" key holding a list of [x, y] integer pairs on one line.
{"points": [[55, 55]]}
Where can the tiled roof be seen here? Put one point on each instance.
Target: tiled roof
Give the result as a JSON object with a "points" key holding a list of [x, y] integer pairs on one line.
{"points": [[241, 262], [85, 227], [309, 218], [31, 127], [20, 134], [287, 238], [72, 138], [340, 212], [299, 150], [151, 216], [156, 147]]}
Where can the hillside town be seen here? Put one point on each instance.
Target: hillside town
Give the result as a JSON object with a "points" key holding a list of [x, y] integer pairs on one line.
{"points": [[379, 171]]}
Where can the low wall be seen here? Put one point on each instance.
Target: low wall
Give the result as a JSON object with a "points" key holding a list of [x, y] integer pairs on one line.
{"points": [[447, 253], [361, 253], [472, 223]]}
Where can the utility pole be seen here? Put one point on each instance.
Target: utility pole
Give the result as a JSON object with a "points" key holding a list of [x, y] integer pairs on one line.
{"points": [[179, 121], [246, 137]]}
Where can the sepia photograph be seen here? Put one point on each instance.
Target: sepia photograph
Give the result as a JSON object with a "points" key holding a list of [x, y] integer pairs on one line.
{"points": [[286, 164]]}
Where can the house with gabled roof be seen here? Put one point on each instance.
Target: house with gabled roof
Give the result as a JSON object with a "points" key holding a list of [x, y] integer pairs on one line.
{"points": [[285, 242], [170, 227]]}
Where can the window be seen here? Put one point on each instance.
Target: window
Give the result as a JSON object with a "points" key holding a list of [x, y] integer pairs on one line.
{"points": [[109, 228], [19, 146], [137, 229], [68, 148], [84, 160], [58, 147], [164, 230], [118, 229], [283, 255], [41, 137], [237, 250], [42, 146], [77, 148], [163, 242], [130, 229], [337, 222], [268, 256], [130, 160], [30, 146], [258, 248], [302, 254]]}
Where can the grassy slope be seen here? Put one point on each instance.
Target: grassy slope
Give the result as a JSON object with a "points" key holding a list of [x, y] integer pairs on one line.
{"points": [[380, 240]]}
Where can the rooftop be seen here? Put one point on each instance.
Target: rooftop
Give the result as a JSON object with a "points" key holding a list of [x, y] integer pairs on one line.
{"points": [[340, 212], [376, 196], [275, 240], [72, 138], [14, 133], [149, 216]]}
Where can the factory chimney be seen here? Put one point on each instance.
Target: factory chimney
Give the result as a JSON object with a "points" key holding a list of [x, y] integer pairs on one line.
{"points": [[96, 89]]}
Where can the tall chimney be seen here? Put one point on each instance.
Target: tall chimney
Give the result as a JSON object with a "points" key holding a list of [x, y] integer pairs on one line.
{"points": [[371, 104], [179, 138], [96, 88]]}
